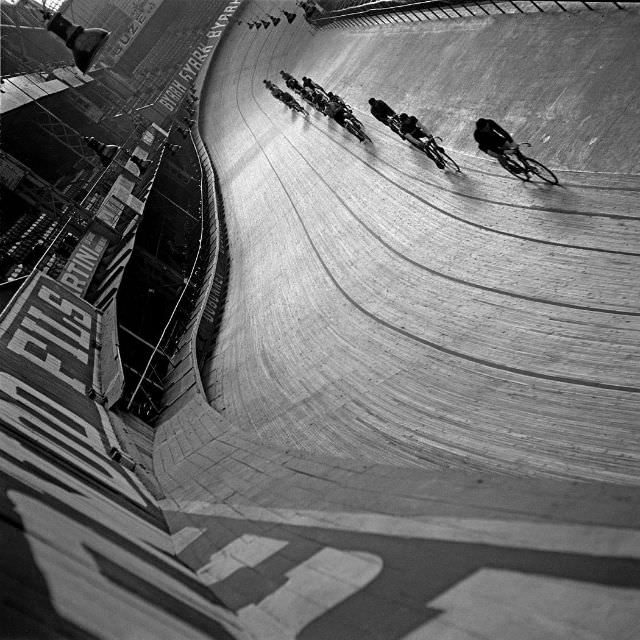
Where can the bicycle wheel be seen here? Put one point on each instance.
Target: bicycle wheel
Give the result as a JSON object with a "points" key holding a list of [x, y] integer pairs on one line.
{"points": [[538, 169]]}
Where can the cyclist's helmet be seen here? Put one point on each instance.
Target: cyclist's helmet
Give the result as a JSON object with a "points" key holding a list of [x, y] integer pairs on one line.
{"points": [[403, 116], [482, 122], [372, 101]]}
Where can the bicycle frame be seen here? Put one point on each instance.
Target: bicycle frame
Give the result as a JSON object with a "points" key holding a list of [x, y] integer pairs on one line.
{"points": [[523, 167]]}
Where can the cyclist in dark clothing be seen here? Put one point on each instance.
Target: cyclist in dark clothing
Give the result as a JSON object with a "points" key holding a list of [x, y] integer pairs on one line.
{"points": [[381, 110], [290, 101], [493, 139], [314, 86], [336, 111], [412, 129], [294, 85], [286, 76]]}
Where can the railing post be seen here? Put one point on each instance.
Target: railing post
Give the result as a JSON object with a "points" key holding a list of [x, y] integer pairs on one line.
{"points": [[468, 10]]}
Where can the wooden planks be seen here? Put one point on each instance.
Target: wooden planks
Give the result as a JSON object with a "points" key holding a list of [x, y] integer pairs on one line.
{"points": [[379, 309]]}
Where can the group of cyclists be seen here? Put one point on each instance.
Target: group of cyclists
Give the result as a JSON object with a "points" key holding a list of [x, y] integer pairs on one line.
{"points": [[285, 97], [326, 102], [491, 138]]}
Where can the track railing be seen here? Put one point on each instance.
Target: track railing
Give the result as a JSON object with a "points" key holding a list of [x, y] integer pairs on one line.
{"points": [[380, 12]]}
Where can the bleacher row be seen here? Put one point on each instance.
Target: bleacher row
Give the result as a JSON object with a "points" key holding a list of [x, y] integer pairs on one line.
{"points": [[26, 242]]}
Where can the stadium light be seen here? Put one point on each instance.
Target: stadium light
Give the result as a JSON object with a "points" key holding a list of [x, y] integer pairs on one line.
{"points": [[85, 44]]}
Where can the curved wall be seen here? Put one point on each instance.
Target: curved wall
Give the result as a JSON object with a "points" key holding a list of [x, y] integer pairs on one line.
{"points": [[466, 319], [394, 336]]}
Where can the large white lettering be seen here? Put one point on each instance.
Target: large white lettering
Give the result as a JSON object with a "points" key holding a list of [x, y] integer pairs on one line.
{"points": [[35, 341], [62, 432]]}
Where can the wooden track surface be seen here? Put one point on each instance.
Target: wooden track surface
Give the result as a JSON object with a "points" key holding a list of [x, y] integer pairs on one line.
{"points": [[382, 310]]}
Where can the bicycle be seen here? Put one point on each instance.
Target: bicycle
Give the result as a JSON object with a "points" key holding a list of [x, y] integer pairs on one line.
{"points": [[523, 167], [433, 151], [296, 106], [356, 128], [437, 153]]}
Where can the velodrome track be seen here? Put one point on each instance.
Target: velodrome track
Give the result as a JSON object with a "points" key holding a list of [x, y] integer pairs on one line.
{"points": [[382, 309], [415, 367]]}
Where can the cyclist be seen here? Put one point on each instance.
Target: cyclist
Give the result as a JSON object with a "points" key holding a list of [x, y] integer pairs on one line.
{"points": [[314, 86], [294, 85], [275, 90], [413, 130], [337, 111], [494, 141], [321, 101], [381, 110], [289, 100]]}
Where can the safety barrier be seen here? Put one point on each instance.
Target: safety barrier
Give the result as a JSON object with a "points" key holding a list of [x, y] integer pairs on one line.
{"points": [[380, 12], [209, 278]]}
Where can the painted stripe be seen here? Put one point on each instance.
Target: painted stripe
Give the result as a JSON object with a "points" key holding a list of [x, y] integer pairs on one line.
{"points": [[314, 587], [568, 538], [246, 551]]}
